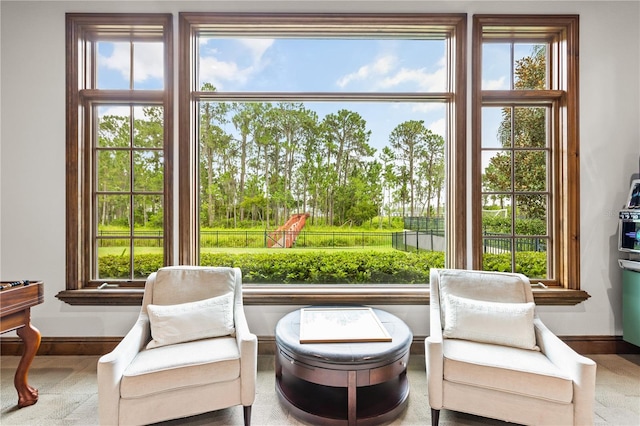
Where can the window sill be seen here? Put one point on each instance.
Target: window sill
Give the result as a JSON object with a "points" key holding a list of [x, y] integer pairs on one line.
{"points": [[309, 295]]}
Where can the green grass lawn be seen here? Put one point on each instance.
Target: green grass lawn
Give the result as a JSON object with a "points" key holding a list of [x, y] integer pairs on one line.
{"points": [[124, 251], [293, 249]]}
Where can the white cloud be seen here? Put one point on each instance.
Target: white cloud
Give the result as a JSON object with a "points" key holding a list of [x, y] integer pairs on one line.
{"points": [[498, 84], [439, 127], [219, 72], [120, 111], [429, 82], [426, 107], [257, 46], [379, 67], [119, 59], [383, 74], [148, 60]]}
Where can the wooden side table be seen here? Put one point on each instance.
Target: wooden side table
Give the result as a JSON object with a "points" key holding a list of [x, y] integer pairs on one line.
{"points": [[15, 314], [363, 383]]}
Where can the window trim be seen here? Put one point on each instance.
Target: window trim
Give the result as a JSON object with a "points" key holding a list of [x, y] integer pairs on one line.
{"points": [[558, 29]]}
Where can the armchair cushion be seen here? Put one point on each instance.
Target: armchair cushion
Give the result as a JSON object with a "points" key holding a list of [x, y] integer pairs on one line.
{"points": [[185, 322], [481, 285], [506, 369], [508, 324], [181, 365]]}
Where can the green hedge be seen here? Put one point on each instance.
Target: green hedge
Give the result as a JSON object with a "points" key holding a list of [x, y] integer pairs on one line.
{"points": [[340, 267], [530, 263], [113, 266], [297, 267], [359, 267]]}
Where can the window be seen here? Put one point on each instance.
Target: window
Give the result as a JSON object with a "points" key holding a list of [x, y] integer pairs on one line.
{"points": [[284, 115], [525, 145], [119, 126], [320, 119]]}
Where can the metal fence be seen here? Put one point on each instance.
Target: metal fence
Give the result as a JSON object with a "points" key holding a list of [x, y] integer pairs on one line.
{"points": [[419, 241], [504, 244], [307, 239], [414, 240], [435, 241], [146, 238], [434, 225]]}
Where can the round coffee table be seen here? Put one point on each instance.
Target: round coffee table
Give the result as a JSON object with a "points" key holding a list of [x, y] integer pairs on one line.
{"points": [[362, 383]]}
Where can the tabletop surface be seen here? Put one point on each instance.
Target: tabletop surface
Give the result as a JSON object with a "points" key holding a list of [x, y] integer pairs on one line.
{"points": [[288, 339]]}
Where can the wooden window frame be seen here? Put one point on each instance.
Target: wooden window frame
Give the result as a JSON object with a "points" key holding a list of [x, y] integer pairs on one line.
{"points": [[81, 97], [78, 293], [561, 32]]}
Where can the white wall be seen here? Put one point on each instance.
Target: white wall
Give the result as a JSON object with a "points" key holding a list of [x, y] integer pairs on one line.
{"points": [[32, 161]]}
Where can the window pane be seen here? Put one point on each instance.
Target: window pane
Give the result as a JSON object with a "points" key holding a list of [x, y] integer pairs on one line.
{"points": [[530, 127], [113, 211], [508, 66], [496, 132], [531, 257], [496, 171], [113, 65], [496, 216], [298, 178], [531, 171], [322, 65], [530, 66], [496, 66], [531, 214], [149, 171], [114, 129], [148, 215], [114, 170], [148, 65], [113, 261], [148, 131]]}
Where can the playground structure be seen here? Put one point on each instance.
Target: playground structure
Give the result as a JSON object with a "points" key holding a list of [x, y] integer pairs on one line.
{"points": [[285, 236]]}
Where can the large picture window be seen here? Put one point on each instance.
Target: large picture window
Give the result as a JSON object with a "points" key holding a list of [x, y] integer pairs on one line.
{"points": [[318, 149]]}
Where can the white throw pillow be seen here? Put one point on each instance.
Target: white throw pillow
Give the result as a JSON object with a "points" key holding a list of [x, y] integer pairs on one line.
{"points": [[191, 321], [507, 324]]}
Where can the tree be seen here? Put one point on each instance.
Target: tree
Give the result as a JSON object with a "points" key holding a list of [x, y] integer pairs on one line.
{"points": [[389, 178], [431, 170], [214, 146], [409, 141], [346, 143]]}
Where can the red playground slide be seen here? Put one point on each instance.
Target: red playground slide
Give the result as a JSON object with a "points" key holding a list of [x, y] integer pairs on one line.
{"points": [[286, 235]]}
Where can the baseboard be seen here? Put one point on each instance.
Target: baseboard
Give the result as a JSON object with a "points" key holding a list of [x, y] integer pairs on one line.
{"points": [[267, 345]]}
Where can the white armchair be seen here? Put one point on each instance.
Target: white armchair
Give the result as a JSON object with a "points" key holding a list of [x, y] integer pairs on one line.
{"points": [[189, 352], [489, 354]]}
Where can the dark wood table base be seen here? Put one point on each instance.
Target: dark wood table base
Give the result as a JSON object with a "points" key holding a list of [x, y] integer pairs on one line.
{"points": [[344, 384], [328, 405]]}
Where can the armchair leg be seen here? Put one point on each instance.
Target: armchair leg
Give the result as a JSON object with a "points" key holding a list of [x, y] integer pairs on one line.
{"points": [[247, 415], [435, 417]]}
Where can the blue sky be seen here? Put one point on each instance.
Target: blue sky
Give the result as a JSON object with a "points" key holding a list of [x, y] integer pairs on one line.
{"points": [[323, 65], [334, 65]]}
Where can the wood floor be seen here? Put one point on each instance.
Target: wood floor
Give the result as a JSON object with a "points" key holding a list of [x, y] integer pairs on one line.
{"points": [[68, 395]]}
